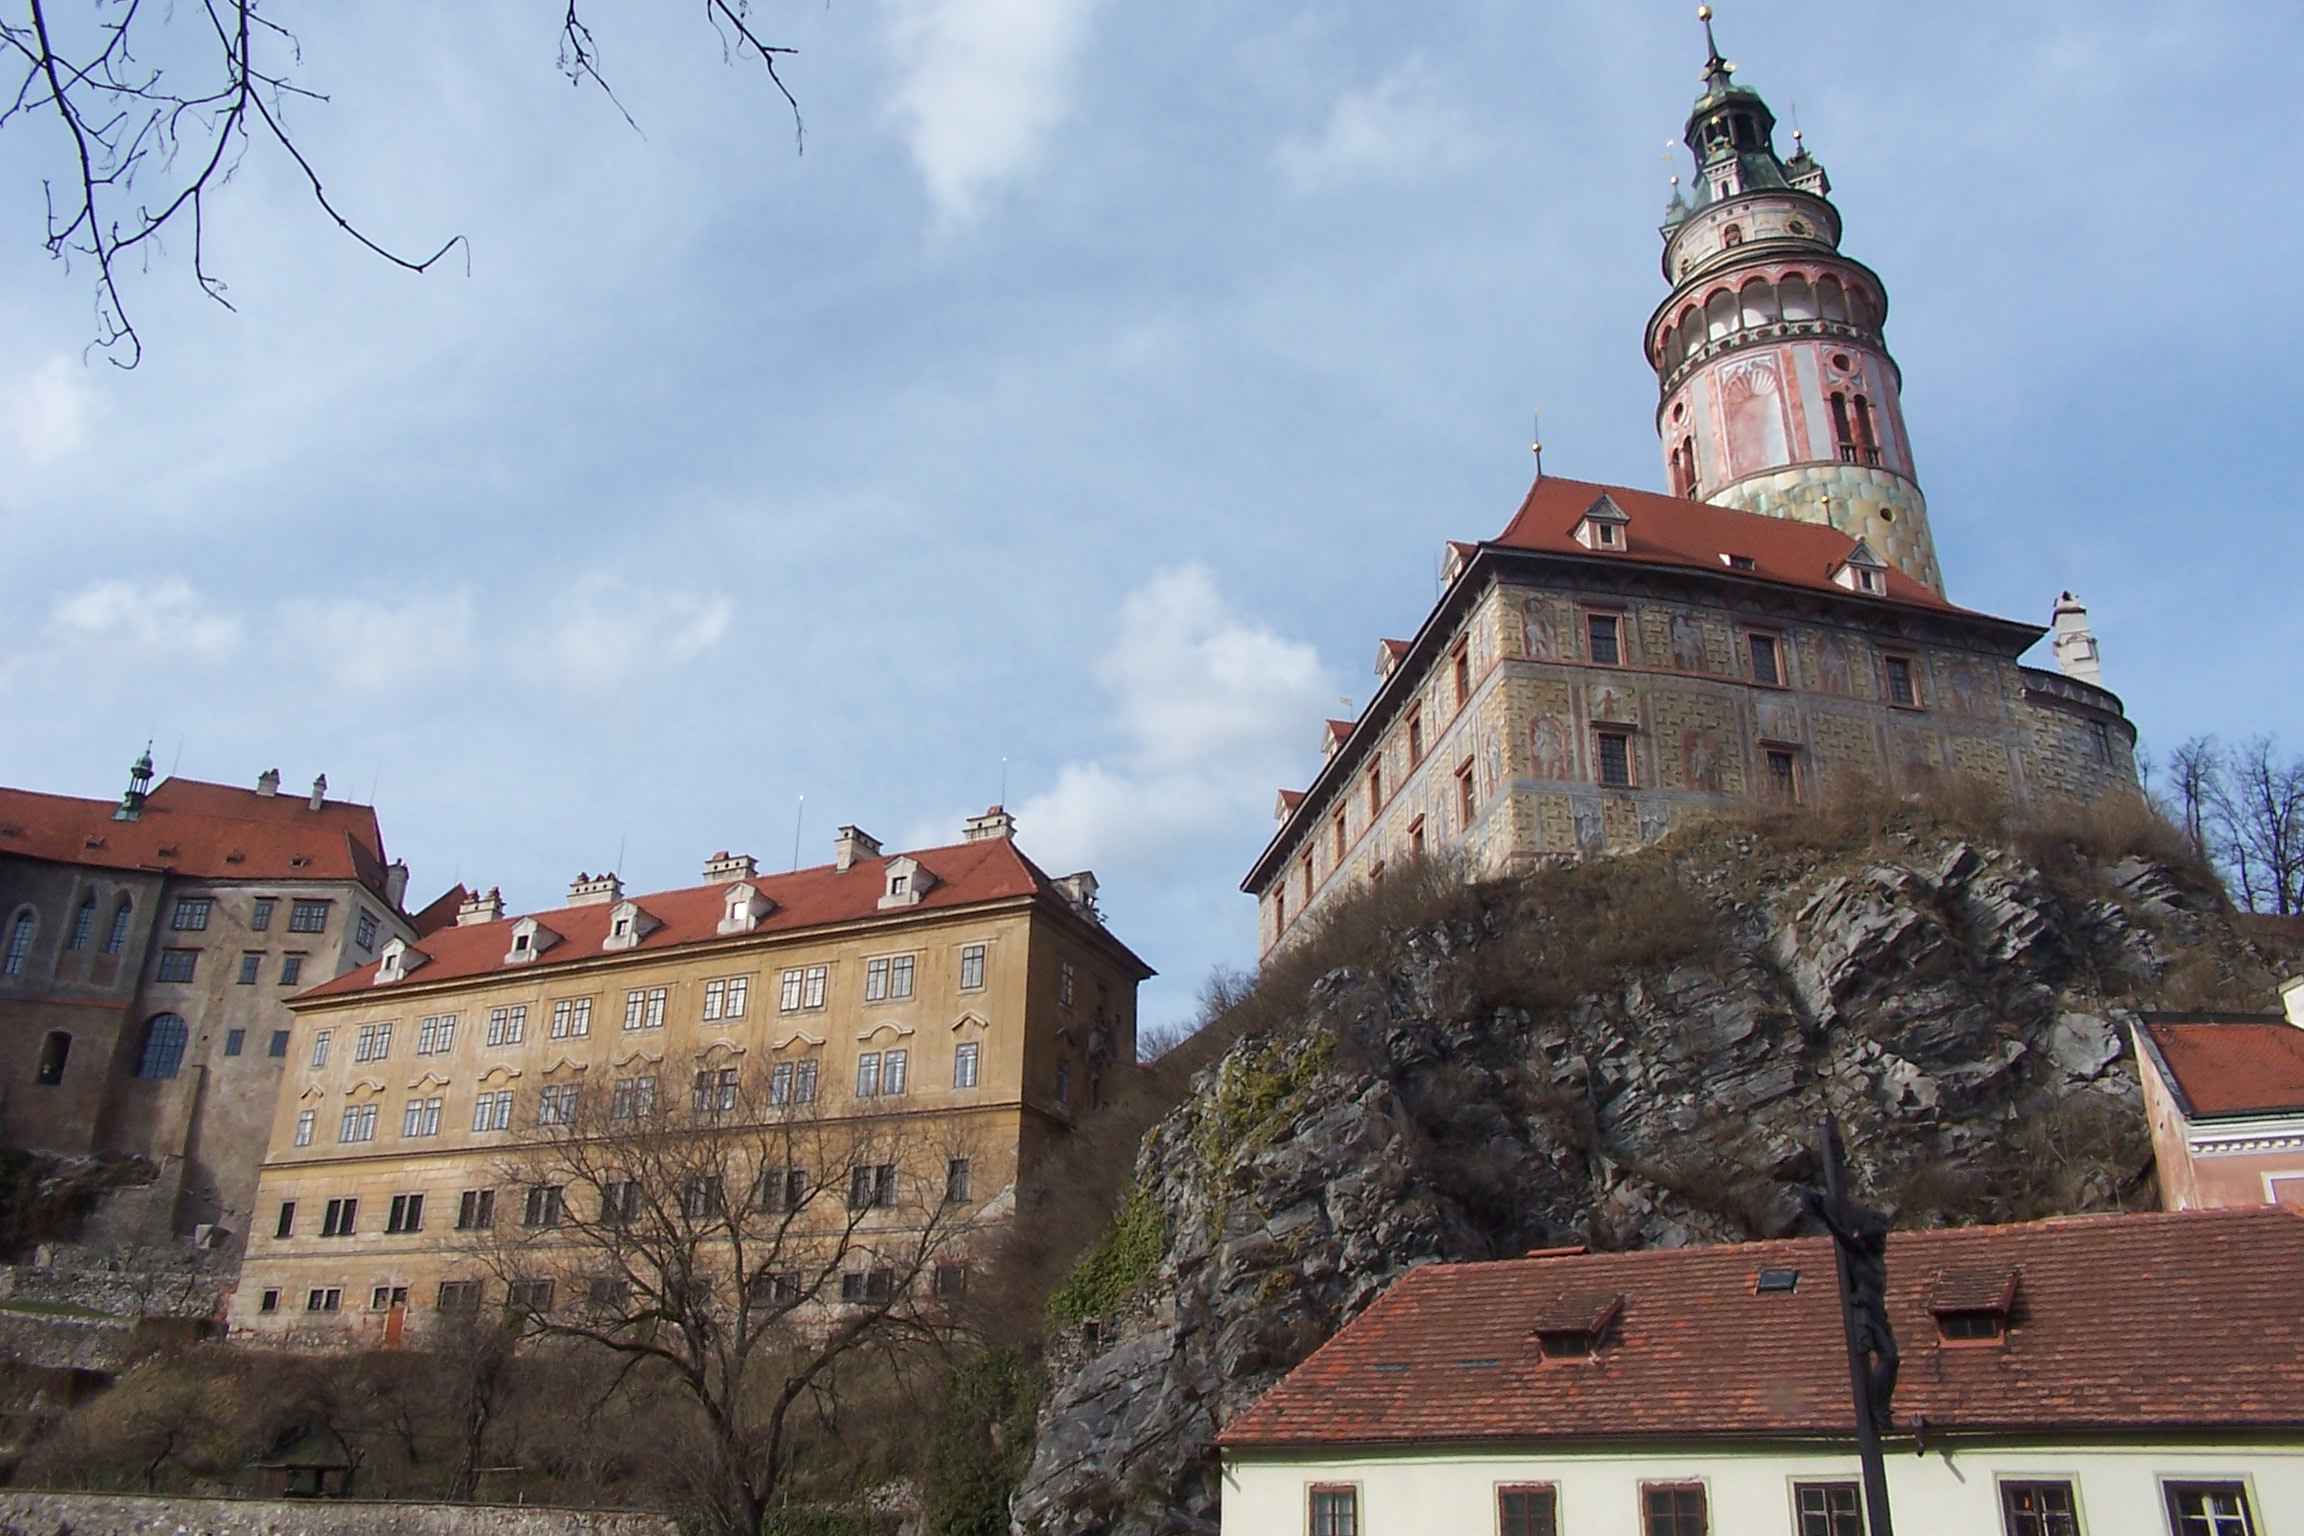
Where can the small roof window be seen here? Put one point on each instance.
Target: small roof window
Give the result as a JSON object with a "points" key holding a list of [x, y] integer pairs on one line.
{"points": [[1604, 526], [1974, 1306], [1863, 571], [1776, 1282], [1575, 1326]]}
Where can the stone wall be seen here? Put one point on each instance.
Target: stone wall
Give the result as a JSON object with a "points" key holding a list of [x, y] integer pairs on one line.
{"points": [[84, 1514]]}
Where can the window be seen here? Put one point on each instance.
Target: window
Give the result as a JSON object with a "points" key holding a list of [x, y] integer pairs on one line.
{"points": [[632, 1098], [556, 1104], [893, 1070], [279, 1045], [1467, 799], [533, 1297], [715, 998], [1341, 841], [1828, 1509], [1335, 1512], [320, 1048], [1063, 1082], [1783, 774], [251, 965], [868, 1285], [329, 1300], [260, 915], [20, 947], [1677, 1510], [1527, 1512], [1732, 235], [459, 1296], [792, 1082], [492, 1111], [286, 1226], [1460, 667], [871, 1184], [476, 1210], [372, 1043], [436, 1036], [958, 1176], [971, 967], [358, 1124], [291, 970], [1064, 982], [1900, 689], [1601, 631], [950, 1281], [2100, 737], [507, 1026], [190, 914], [234, 1040], [83, 924], [406, 1214], [1416, 838], [572, 1018], [304, 1123], [270, 1302], [164, 1041], [2038, 1509], [875, 980], [364, 931], [713, 1092], [620, 1202], [385, 1297], [543, 1206], [117, 939], [781, 1189], [2208, 1509], [1761, 649], [53, 1051], [964, 1064], [812, 992], [422, 1118], [339, 1218], [900, 976], [1415, 736], [1971, 1325], [308, 917], [739, 995], [1375, 790], [868, 1075], [175, 964], [1842, 435]]}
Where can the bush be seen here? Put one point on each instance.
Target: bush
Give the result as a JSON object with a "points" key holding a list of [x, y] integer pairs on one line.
{"points": [[981, 1443], [1127, 1256]]}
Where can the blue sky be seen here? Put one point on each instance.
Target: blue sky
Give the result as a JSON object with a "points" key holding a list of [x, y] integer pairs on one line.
{"points": [[1092, 394]]}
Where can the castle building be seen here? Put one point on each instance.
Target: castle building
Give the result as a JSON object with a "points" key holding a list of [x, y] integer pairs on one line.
{"points": [[957, 993], [147, 951], [1772, 631]]}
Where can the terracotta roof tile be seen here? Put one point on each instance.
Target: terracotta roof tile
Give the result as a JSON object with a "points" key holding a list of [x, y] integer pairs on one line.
{"points": [[441, 913], [2234, 1069], [201, 831], [2190, 1319]]}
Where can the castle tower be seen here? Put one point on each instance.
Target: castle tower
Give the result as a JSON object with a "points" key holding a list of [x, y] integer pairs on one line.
{"points": [[1778, 395]]}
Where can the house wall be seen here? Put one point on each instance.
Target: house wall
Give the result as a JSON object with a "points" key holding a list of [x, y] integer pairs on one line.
{"points": [[2220, 1163], [1950, 1492]]}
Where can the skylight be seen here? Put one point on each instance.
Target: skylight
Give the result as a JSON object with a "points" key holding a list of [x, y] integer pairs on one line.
{"points": [[1776, 1282]]}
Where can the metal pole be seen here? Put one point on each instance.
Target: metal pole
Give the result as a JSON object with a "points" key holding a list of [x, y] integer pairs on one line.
{"points": [[1859, 1370]]}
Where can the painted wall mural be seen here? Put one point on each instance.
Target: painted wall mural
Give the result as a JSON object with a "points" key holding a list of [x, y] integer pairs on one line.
{"points": [[1752, 402]]}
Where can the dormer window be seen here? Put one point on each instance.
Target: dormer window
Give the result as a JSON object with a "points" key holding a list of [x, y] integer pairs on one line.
{"points": [[627, 926], [1863, 571], [1974, 1306], [1739, 562], [530, 938], [906, 882], [399, 957], [742, 907], [1575, 1327], [1604, 527]]}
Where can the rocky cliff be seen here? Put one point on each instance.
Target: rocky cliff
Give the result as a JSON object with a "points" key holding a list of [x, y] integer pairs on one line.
{"points": [[1630, 1053]]}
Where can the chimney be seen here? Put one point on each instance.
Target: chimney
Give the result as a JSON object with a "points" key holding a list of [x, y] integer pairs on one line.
{"points": [[268, 783], [395, 882], [2292, 999], [481, 909], [728, 867], [851, 844], [594, 890], [2073, 643], [319, 792], [995, 822]]}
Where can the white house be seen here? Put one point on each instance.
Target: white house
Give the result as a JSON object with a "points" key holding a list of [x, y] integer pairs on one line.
{"points": [[2136, 1375]]}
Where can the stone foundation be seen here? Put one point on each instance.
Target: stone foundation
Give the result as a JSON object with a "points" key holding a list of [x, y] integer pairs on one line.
{"points": [[84, 1514]]}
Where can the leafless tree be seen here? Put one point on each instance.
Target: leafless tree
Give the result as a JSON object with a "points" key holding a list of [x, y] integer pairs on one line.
{"points": [[752, 1250], [143, 144], [2243, 808]]}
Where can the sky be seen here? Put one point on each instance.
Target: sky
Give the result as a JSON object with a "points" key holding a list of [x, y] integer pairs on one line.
{"points": [[1069, 420]]}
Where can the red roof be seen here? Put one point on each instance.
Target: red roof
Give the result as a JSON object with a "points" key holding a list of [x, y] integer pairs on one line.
{"points": [[441, 913], [2180, 1320], [1671, 530], [966, 873], [2232, 1069], [200, 831]]}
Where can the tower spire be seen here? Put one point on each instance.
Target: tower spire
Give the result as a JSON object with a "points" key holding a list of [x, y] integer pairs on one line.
{"points": [[1716, 69]]}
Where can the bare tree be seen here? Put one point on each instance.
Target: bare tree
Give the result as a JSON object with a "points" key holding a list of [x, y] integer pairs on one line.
{"points": [[144, 145], [2243, 809], [2192, 777], [750, 1248]]}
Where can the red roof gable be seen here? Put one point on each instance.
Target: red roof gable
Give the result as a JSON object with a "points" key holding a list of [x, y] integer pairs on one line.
{"points": [[966, 874], [1671, 530], [2181, 1320], [200, 831], [2233, 1069]]}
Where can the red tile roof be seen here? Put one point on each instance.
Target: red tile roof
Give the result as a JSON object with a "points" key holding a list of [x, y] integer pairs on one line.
{"points": [[441, 913], [200, 831], [2232, 1069], [966, 874], [2191, 1320], [1671, 530]]}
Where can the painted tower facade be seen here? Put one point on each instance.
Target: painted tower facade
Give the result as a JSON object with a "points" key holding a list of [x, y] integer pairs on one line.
{"points": [[1778, 395]]}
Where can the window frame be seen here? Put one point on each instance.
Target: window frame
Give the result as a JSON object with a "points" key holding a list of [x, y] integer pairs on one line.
{"points": [[176, 967], [2008, 1484], [1315, 1492], [308, 916], [190, 914], [1460, 671], [1601, 735], [1774, 639], [1889, 661], [1826, 1486], [2171, 1487], [967, 1064], [1695, 1485], [1467, 794], [972, 959], [1789, 789], [1614, 620], [1551, 1491]]}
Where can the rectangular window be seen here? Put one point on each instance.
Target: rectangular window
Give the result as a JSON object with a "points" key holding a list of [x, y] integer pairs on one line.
{"points": [[1783, 774], [1461, 664], [260, 915], [251, 966], [533, 1297], [421, 1118], [951, 1281], [739, 995], [1762, 651], [492, 1111], [304, 1127], [556, 1105], [971, 967], [387, 1296], [652, 1014], [308, 917], [1828, 1509], [1601, 630], [2208, 1509], [900, 976], [1900, 687], [1337, 828], [543, 1206], [572, 1018], [964, 1064], [320, 1048], [875, 980], [893, 1069], [476, 1210], [291, 970], [359, 1123], [1467, 800], [1335, 1512], [958, 1176], [868, 1075], [1415, 736], [191, 914], [279, 1045], [328, 1300], [406, 1214], [788, 994], [1677, 1510], [287, 1223], [364, 931], [372, 1043], [2100, 737], [459, 1296], [1063, 1082], [234, 1041], [507, 1026], [620, 1202], [1375, 790], [2039, 1509], [178, 964], [812, 994], [339, 1218], [804, 1082], [270, 1303], [715, 998], [868, 1285], [436, 1035], [1615, 759], [713, 1092], [780, 1083], [1064, 982], [1527, 1512], [633, 1098]]}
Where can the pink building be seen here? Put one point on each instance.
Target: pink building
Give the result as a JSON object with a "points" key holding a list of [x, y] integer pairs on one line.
{"points": [[2225, 1097]]}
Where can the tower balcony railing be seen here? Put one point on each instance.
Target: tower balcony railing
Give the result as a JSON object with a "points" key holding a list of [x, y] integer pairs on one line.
{"points": [[1779, 330]]}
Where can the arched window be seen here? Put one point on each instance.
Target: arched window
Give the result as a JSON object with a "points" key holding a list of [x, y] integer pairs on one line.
{"points": [[1684, 468], [117, 939], [1841, 434], [1859, 307], [1732, 235], [164, 1041], [1831, 302], [1759, 301], [1720, 315], [83, 923], [1797, 299], [19, 942], [53, 1050], [1866, 441]]}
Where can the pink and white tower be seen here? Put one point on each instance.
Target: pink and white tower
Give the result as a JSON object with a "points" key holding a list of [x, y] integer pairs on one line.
{"points": [[1778, 393]]}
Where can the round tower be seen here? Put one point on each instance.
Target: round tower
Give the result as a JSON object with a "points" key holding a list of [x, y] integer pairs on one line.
{"points": [[1778, 395]]}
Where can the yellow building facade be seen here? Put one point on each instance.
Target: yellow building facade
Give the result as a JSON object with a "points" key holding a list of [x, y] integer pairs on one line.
{"points": [[956, 1002]]}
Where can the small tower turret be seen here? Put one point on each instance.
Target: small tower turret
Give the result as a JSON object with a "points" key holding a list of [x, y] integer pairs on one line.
{"points": [[1778, 395], [2074, 643], [139, 788]]}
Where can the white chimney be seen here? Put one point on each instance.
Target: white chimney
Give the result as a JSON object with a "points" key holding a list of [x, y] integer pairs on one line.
{"points": [[268, 783], [851, 844], [396, 883], [319, 791], [481, 909], [2292, 999], [2073, 643], [594, 890], [724, 867], [995, 822]]}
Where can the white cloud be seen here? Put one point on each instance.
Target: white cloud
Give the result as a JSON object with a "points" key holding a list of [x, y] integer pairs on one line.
{"points": [[1394, 128], [611, 631], [1216, 713], [980, 85], [144, 623], [45, 415], [368, 647]]}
